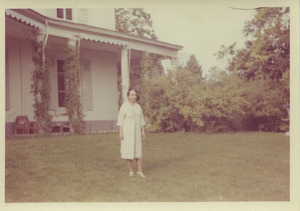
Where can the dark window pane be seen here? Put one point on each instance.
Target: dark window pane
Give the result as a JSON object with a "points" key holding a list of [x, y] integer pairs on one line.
{"points": [[60, 13], [60, 66], [61, 99], [69, 14], [61, 83]]}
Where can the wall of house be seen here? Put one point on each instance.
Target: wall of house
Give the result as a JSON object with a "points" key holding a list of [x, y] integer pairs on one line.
{"points": [[102, 112], [19, 67], [98, 17], [104, 85], [103, 18], [98, 89]]}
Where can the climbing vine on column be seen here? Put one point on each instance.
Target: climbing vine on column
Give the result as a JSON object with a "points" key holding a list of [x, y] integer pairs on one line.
{"points": [[72, 101], [40, 86]]}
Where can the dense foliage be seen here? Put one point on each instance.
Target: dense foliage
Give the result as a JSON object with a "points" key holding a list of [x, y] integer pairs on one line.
{"points": [[72, 100], [40, 86], [249, 95], [134, 21], [183, 101], [264, 63]]}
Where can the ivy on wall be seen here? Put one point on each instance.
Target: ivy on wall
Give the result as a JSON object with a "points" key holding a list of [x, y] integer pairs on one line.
{"points": [[40, 86], [72, 101]]}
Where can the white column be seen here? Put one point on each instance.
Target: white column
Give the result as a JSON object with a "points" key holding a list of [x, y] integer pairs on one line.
{"points": [[124, 73], [72, 41], [40, 38]]}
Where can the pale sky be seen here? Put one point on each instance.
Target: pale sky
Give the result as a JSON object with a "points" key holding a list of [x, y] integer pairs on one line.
{"points": [[200, 30]]}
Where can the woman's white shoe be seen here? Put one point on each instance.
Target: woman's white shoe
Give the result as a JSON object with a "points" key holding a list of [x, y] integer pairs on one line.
{"points": [[141, 174], [130, 173]]}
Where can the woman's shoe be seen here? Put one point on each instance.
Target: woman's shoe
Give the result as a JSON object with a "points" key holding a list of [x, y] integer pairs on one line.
{"points": [[131, 173], [141, 174]]}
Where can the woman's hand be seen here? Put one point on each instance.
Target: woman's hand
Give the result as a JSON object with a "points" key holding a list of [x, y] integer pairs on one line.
{"points": [[121, 133], [143, 133], [121, 136]]}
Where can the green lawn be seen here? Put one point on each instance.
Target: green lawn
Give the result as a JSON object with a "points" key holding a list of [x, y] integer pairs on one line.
{"points": [[187, 167]]}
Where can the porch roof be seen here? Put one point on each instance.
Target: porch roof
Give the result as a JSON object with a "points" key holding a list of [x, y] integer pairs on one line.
{"points": [[69, 29], [23, 18]]}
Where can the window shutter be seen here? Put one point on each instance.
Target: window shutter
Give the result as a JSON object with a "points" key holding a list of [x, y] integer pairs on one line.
{"points": [[60, 13], [86, 85], [69, 14]]}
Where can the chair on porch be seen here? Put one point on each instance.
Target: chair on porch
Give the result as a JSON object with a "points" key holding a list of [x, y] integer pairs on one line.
{"points": [[22, 124], [33, 127]]}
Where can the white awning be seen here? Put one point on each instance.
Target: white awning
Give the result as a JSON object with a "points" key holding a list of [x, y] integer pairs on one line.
{"points": [[23, 19]]}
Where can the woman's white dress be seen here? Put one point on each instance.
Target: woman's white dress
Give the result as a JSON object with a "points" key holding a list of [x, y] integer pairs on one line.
{"points": [[132, 119]]}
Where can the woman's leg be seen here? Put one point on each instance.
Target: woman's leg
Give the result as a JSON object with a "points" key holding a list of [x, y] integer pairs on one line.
{"points": [[129, 163], [139, 164]]}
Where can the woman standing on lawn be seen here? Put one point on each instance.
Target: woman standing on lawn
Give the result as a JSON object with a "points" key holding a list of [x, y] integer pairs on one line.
{"points": [[131, 125]]}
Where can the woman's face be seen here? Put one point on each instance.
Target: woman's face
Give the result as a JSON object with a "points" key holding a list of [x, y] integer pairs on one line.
{"points": [[132, 96]]}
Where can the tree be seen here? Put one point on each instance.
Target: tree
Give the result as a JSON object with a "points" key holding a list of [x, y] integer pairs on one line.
{"points": [[266, 99], [264, 64], [171, 101], [194, 66], [268, 49], [134, 21]]}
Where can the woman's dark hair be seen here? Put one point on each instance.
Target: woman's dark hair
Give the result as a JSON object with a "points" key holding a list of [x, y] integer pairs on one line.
{"points": [[137, 96]]}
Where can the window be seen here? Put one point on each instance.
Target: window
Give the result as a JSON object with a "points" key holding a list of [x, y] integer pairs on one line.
{"points": [[69, 14], [60, 13], [61, 83], [64, 13], [86, 84]]}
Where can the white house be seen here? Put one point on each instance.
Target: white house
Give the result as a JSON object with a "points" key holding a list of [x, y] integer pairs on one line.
{"points": [[101, 49]]}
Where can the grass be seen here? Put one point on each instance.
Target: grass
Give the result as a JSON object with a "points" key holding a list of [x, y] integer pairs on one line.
{"points": [[181, 167]]}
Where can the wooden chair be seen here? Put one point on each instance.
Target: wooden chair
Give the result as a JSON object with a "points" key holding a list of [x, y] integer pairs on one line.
{"points": [[22, 124], [33, 127]]}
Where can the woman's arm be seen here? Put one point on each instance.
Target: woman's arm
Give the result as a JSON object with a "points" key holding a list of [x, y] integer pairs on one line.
{"points": [[121, 133], [143, 133], [120, 122]]}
